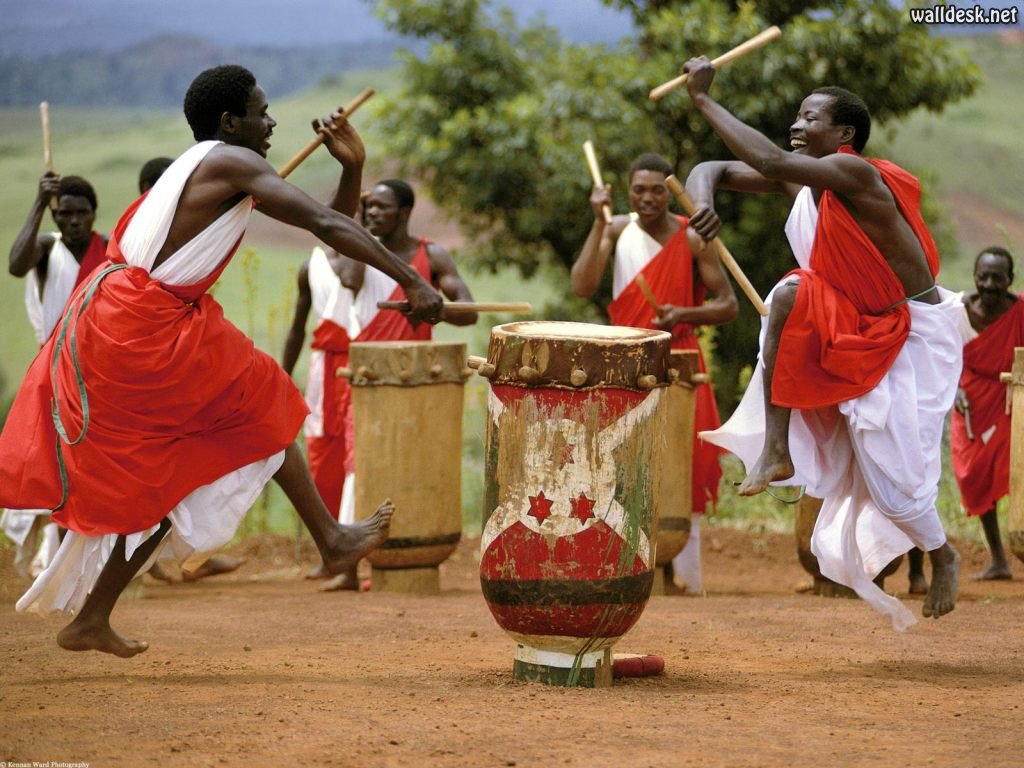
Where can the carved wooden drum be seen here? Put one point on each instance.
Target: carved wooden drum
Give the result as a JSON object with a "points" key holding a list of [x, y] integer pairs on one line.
{"points": [[673, 471], [568, 545], [407, 407]]}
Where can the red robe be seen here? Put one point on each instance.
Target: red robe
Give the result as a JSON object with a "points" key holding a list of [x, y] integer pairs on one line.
{"points": [[982, 465], [848, 323], [178, 397], [336, 449], [670, 275], [94, 256]]}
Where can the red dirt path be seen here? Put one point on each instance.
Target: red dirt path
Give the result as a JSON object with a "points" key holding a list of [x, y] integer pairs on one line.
{"points": [[258, 669]]}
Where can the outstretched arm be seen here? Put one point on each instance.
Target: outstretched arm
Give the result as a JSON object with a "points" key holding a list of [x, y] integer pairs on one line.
{"points": [[844, 174], [589, 267], [233, 169], [30, 248], [297, 333], [446, 276], [720, 309]]}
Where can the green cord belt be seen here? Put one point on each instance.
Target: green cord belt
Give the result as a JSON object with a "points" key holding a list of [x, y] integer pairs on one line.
{"points": [[62, 434]]}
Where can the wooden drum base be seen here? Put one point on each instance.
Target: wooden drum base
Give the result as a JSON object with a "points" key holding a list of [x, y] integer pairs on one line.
{"points": [[416, 581], [553, 668]]}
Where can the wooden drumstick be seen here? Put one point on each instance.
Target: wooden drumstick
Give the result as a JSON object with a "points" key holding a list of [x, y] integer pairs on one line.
{"points": [[307, 150], [520, 308], [645, 289], [595, 172], [770, 34], [44, 118], [723, 253]]}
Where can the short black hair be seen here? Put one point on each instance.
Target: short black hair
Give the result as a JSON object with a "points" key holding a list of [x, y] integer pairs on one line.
{"points": [[151, 171], [76, 186], [996, 250], [847, 108], [650, 161], [403, 192], [215, 91]]}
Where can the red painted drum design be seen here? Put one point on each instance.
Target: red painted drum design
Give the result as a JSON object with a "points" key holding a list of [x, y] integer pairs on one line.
{"points": [[407, 409], [567, 551]]}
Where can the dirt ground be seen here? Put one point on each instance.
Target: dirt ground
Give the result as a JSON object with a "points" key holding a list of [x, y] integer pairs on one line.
{"points": [[257, 668]]}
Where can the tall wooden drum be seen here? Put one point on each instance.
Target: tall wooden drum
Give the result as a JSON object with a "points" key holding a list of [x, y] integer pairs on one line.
{"points": [[673, 473], [568, 547], [407, 407]]}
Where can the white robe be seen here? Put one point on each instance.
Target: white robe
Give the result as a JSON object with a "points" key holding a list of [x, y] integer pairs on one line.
{"points": [[875, 460], [206, 519], [330, 301]]}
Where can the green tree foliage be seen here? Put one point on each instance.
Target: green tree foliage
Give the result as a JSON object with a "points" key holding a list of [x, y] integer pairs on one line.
{"points": [[493, 116]]}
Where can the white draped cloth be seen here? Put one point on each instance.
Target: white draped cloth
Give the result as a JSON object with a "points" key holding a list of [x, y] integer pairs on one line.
{"points": [[206, 519], [875, 460], [633, 251], [330, 301]]}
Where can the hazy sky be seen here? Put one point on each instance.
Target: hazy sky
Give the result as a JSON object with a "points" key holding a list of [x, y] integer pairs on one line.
{"points": [[44, 26]]}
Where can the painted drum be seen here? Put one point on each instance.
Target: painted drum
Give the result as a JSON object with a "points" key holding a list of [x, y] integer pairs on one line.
{"points": [[673, 472], [567, 553], [407, 411]]}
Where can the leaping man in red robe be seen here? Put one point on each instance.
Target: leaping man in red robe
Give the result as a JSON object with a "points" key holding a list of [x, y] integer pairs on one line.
{"points": [[859, 353]]}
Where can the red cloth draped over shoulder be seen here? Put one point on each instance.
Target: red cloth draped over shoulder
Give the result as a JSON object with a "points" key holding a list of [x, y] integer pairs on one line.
{"points": [[388, 325], [844, 331], [671, 279], [982, 465], [178, 397], [95, 255]]}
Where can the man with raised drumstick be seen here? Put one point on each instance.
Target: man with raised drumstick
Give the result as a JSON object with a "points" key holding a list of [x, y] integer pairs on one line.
{"points": [[148, 412], [652, 254], [53, 264], [349, 292], [860, 353]]}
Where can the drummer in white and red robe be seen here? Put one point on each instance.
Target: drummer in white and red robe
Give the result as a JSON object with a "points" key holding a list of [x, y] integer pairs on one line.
{"points": [[53, 264], [691, 290], [386, 212]]}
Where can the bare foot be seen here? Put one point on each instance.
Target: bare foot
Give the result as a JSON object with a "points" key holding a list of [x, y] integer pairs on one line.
{"points": [[771, 466], [351, 543], [78, 636], [319, 572], [214, 566], [158, 572], [942, 594], [918, 584], [995, 572], [347, 581]]}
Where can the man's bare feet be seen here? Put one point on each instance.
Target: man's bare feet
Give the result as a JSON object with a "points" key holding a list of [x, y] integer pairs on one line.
{"points": [[318, 572], [350, 543], [918, 584], [942, 594], [995, 572], [347, 581], [214, 566], [771, 466], [79, 636]]}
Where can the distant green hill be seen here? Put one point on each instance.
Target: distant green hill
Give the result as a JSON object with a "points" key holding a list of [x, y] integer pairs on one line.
{"points": [[975, 152], [157, 73]]}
